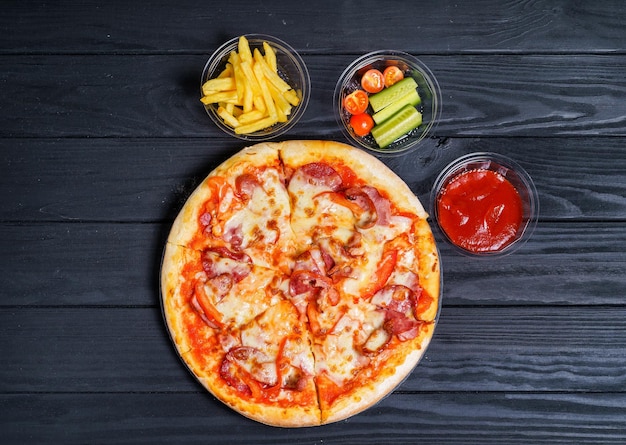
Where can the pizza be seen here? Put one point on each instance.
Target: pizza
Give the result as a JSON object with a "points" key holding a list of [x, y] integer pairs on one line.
{"points": [[300, 282]]}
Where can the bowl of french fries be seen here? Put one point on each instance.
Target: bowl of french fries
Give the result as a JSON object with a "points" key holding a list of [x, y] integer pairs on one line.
{"points": [[255, 87]]}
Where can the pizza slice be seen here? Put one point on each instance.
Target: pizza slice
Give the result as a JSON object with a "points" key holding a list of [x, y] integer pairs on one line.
{"points": [[239, 335], [370, 350], [242, 207], [269, 372]]}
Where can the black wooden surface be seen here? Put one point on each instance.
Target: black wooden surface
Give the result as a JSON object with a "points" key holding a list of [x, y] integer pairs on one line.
{"points": [[102, 138]]}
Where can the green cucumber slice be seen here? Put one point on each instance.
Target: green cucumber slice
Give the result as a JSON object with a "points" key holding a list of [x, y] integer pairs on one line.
{"points": [[407, 119], [389, 95], [411, 98]]}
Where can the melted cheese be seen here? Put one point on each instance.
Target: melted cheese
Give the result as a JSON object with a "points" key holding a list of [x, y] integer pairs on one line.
{"points": [[362, 271], [275, 328], [315, 214], [248, 298], [373, 241], [263, 223], [338, 355]]}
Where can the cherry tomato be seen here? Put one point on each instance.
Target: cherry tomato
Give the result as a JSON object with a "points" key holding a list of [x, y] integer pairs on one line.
{"points": [[361, 124], [372, 81], [356, 102], [392, 74]]}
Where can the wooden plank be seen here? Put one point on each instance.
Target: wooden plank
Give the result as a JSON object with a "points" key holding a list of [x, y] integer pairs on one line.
{"points": [[561, 264], [524, 349], [118, 26], [468, 418], [158, 96], [118, 265], [81, 264], [139, 180]]}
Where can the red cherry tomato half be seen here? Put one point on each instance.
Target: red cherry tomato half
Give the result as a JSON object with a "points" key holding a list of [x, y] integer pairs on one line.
{"points": [[356, 102], [372, 81], [392, 74], [361, 124]]}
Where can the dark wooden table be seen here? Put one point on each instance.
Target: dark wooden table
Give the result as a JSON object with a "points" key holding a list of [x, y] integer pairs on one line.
{"points": [[102, 138]]}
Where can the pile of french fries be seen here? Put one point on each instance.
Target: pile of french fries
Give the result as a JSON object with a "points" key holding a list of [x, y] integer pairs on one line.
{"points": [[249, 93]]}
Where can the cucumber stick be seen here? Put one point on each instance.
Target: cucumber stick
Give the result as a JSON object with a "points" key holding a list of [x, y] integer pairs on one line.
{"points": [[411, 98], [405, 120], [390, 95]]}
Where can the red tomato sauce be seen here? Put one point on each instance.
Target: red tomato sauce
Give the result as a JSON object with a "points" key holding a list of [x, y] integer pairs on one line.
{"points": [[480, 211]]}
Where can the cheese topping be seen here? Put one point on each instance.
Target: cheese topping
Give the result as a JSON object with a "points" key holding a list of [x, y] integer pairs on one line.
{"points": [[300, 278], [248, 298], [314, 213]]}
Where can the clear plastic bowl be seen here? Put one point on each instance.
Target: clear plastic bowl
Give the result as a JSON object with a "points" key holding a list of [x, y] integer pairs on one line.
{"points": [[291, 69], [512, 172], [428, 89]]}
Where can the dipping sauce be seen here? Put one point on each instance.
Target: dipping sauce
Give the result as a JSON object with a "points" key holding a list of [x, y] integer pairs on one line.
{"points": [[480, 211]]}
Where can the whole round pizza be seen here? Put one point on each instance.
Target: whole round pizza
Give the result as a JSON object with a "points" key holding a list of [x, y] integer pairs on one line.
{"points": [[301, 282]]}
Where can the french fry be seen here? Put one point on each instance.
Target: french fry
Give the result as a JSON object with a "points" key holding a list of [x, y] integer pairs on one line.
{"points": [[248, 98], [292, 97], [270, 56], [229, 119], [272, 76], [218, 84], [280, 115], [256, 125], [251, 80], [244, 49], [251, 116], [283, 107], [259, 103], [227, 72], [235, 61], [220, 96], [267, 97]]}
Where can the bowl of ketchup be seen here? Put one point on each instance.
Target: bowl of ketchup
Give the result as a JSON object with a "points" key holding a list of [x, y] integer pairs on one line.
{"points": [[485, 204]]}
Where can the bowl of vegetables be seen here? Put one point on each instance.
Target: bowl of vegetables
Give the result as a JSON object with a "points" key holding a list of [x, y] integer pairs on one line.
{"points": [[255, 87], [387, 101]]}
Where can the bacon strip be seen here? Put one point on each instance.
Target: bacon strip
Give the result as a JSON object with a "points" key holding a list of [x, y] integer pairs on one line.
{"points": [[245, 185], [399, 304], [229, 264], [368, 214], [321, 174], [382, 205]]}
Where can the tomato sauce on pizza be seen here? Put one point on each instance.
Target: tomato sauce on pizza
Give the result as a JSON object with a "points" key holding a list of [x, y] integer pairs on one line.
{"points": [[301, 282]]}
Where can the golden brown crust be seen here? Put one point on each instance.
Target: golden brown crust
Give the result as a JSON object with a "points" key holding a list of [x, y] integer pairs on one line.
{"points": [[201, 346], [174, 304], [429, 268]]}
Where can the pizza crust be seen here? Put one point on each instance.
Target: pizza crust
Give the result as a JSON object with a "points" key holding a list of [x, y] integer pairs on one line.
{"points": [[173, 303]]}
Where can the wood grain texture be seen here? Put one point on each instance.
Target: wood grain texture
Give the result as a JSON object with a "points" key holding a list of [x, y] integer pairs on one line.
{"points": [[81, 264], [448, 418], [158, 96], [148, 179], [521, 349], [443, 26]]}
